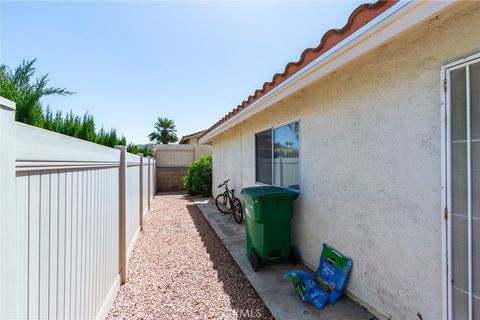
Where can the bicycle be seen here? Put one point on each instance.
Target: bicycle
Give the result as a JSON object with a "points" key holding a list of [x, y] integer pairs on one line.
{"points": [[227, 203]]}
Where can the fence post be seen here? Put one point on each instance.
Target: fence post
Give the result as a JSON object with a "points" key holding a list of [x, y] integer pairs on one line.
{"points": [[153, 177], [141, 190], [149, 182], [154, 170], [122, 179], [9, 277]]}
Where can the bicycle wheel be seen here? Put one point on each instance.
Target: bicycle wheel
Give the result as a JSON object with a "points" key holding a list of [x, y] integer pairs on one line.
{"points": [[237, 211], [221, 203]]}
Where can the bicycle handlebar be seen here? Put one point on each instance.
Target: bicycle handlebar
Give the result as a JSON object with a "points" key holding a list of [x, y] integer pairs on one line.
{"points": [[224, 183]]}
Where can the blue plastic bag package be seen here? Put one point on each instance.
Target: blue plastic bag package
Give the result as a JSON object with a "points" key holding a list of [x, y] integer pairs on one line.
{"points": [[307, 288], [329, 281], [333, 272]]}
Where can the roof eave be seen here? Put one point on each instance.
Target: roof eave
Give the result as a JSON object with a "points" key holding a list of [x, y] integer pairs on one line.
{"points": [[190, 136], [389, 24]]}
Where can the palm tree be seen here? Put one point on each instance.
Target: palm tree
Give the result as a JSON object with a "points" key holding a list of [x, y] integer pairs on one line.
{"points": [[165, 131], [17, 85]]}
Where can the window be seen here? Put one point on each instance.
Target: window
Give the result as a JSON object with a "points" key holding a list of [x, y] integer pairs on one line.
{"points": [[278, 162], [263, 157], [286, 156]]}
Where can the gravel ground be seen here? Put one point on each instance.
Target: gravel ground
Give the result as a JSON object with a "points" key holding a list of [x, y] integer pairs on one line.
{"points": [[180, 269]]}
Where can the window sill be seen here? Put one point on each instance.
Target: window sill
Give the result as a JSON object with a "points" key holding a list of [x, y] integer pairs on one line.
{"points": [[274, 185]]}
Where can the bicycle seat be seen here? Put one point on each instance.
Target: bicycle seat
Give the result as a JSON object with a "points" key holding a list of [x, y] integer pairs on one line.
{"points": [[233, 190]]}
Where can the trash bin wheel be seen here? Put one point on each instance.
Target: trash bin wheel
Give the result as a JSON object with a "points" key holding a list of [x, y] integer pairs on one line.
{"points": [[292, 256], [254, 260]]}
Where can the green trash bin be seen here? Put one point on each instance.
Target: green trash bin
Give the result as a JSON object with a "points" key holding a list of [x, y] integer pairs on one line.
{"points": [[268, 212]]}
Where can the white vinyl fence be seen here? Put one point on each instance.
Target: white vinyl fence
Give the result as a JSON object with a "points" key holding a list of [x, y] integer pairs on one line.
{"points": [[70, 212], [286, 171]]}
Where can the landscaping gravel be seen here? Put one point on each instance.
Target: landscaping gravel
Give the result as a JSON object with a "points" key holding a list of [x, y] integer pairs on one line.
{"points": [[180, 269]]}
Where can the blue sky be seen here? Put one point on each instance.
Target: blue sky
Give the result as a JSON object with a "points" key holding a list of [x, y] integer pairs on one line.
{"points": [[131, 62]]}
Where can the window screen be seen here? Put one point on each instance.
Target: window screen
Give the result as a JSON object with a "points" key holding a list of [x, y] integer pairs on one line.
{"points": [[263, 157], [286, 169]]}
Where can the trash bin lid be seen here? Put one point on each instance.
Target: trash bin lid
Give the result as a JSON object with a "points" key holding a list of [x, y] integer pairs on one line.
{"points": [[268, 191]]}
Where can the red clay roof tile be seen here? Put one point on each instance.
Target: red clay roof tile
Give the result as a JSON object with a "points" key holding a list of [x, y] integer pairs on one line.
{"points": [[362, 15]]}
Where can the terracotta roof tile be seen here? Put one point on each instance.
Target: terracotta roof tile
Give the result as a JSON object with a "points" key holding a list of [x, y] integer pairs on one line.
{"points": [[362, 15]]}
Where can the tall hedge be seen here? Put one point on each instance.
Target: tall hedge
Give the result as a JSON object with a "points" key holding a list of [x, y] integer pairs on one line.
{"points": [[21, 86]]}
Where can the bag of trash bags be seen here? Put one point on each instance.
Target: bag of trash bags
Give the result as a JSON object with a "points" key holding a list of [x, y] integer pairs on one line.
{"points": [[328, 283]]}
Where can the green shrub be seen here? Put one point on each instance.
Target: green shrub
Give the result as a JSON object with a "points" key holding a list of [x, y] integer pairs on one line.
{"points": [[198, 179], [19, 86], [136, 149]]}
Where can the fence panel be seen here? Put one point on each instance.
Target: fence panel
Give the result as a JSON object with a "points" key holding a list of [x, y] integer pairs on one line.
{"points": [[176, 155], [179, 155], [172, 162], [67, 203], [145, 185], [152, 178], [286, 171], [133, 201], [70, 211], [201, 150]]}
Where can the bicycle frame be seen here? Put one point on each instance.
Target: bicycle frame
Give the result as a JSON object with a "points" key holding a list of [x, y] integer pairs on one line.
{"points": [[229, 194]]}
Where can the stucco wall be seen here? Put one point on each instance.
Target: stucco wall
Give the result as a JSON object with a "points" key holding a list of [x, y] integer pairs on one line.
{"points": [[370, 164]]}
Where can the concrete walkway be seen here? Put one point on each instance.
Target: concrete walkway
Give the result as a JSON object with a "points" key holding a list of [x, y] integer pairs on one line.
{"points": [[276, 293]]}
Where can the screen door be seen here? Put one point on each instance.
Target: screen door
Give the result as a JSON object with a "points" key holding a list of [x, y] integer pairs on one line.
{"points": [[463, 189]]}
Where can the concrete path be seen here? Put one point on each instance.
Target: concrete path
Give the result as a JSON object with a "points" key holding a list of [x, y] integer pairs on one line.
{"points": [[278, 294]]}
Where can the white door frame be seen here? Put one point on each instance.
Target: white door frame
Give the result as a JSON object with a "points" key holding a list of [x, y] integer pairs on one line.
{"points": [[446, 186]]}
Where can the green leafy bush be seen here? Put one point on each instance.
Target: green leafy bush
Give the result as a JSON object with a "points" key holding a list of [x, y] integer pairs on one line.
{"points": [[198, 179]]}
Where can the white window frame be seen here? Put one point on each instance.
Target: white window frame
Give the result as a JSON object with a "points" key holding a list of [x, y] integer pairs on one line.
{"points": [[445, 92], [282, 124], [255, 156]]}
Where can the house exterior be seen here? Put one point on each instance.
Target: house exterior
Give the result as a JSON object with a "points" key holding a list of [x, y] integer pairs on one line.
{"points": [[377, 129], [191, 138]]}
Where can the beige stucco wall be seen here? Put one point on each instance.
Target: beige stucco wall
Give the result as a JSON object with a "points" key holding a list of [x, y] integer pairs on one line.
{"points": [[371, 164]]}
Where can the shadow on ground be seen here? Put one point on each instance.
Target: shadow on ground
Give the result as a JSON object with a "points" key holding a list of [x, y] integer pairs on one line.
{"points": [[242, 295]]}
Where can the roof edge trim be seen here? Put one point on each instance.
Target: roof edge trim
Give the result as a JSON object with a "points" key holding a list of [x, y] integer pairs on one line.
{"points": [[397, 19]]}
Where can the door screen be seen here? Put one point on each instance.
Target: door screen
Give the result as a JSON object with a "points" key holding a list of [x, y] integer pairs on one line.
{"points": [[464, 162]]}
